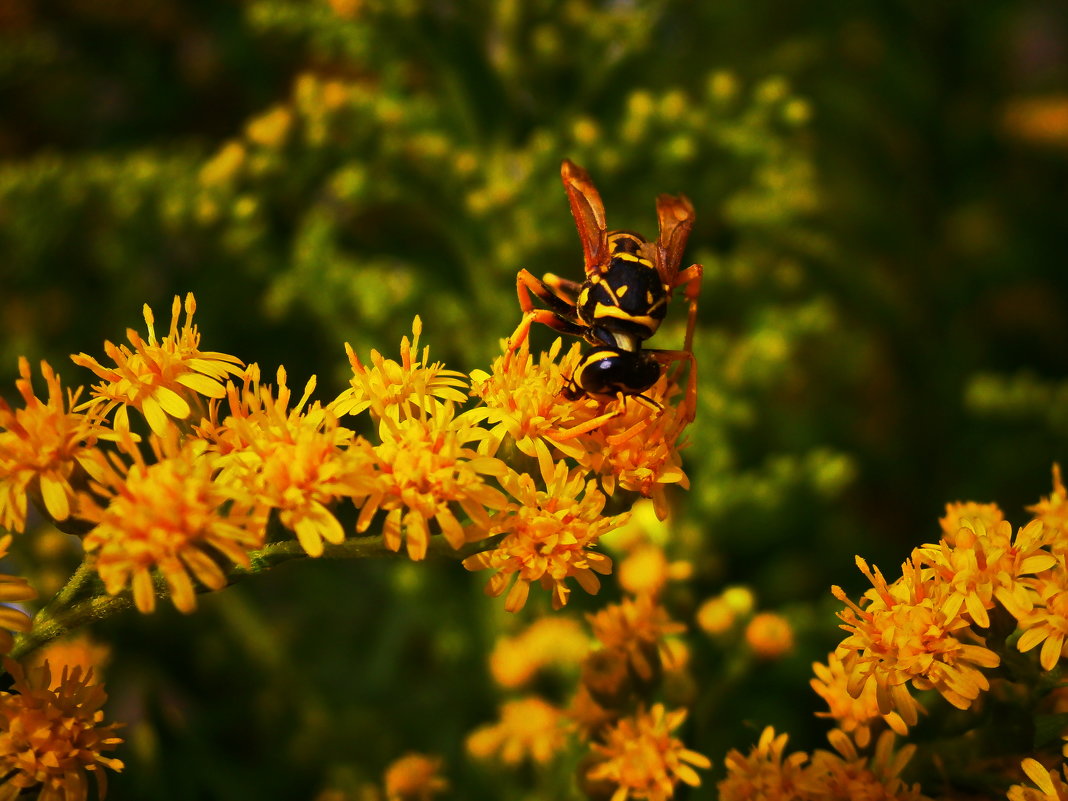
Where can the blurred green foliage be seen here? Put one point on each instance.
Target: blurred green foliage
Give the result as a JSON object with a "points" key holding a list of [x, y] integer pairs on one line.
{"points": [[882, 234]]}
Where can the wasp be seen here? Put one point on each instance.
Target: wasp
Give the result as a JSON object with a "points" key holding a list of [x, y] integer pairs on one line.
{"points": [[629, 283]]}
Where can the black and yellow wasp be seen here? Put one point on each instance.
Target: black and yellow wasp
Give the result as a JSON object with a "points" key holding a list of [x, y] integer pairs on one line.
{"points": [[629, 281]]}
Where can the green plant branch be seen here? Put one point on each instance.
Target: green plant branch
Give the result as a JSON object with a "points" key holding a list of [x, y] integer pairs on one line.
{"points": [[70, 609]]}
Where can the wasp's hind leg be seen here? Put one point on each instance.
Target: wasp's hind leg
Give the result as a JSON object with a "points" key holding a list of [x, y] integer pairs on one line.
{"points": [[691, 279], [689, 403]]}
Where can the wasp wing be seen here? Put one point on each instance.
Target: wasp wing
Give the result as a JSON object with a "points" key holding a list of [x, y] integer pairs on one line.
{"points": [[588, 210], [676, 216]]}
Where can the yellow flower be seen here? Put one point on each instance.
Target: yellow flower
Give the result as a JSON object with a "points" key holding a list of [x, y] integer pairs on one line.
{"points": [[13, 589], [769, 635], [414, 777], [637, 447], [854, 716], [1051, 786], [424, 466], [171, 515], [51, 738], [957, 514], [159, 378], [547, 538], [981, 565], [637, 628], [906, 632], [529, 729], [763, 774], [1052, 512], [522, 399], [843, 773], [411, 384], [643, 760], [646, 570], [1048, 623], [547, 641], [43, 448], [297, 461], [76, 651]]}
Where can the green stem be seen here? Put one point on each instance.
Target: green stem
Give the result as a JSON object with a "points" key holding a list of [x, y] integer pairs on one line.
{"points": [[66, 613]]}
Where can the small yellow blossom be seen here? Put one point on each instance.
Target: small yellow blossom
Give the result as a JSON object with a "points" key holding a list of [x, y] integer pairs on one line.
{"points": [[412, 382], [1052, 786], [642, 758], [1052, 512], [13, 590], [646, 570], [637, 447], [983, 564], [769, 635], [854, 716], [715, 616], [548, 538], [529, 729], [764, 773], [44, 447], [414, 777], [905, 632], [1048, 623], [297, 461], [224, 166], [424, 467], [548, 641], [170, 515], [719, 614], [52, 736], [75, 651], [843, 773], [989, 514], [637, 628], [159, 378], [271, 128], [522, 399]]}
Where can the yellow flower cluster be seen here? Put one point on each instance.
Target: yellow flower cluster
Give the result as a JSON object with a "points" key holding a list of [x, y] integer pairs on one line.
{"points": [[632, 751], [929, 628], [767, 773], [216, 462], [51, 735]]}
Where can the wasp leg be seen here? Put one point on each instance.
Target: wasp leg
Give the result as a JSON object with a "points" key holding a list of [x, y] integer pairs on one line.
{"points": [[691, 279], [689, 403], [567, 291], [560, 316]]}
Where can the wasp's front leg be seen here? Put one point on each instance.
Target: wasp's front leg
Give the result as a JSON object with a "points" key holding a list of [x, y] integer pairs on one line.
{"points": [[560, 316]]}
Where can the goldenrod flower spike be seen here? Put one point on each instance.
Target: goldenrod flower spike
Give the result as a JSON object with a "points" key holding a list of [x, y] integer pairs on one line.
{"points": [[171, 516], [529, 729], [13, 589], [297, 461], [389, 384], [642, 758], [549, 537], [51, 737], [158, 378], [425, 468], [45, 447]]}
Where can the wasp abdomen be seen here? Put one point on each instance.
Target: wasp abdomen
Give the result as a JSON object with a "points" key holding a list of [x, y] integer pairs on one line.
{"points": [[608, 372]]}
